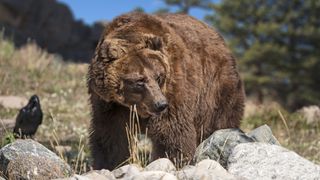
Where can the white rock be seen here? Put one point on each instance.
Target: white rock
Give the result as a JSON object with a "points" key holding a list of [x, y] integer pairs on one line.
{"points": [[162, 164], [205, 169], [79, 177], [126, 171], [99, 175], [13, 102], [202, 174], [266, 161], [153, 175], [92, 175], [210, 164]]}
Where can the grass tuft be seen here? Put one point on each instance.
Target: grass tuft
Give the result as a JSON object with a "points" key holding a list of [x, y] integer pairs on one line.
{"points": [[139, 152]]}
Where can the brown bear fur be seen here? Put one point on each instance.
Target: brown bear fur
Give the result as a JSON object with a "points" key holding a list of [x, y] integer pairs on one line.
{"points": [[146, 59]]}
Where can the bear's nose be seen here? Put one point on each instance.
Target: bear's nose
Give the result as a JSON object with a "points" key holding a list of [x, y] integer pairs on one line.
{"points": [[161, 105]]}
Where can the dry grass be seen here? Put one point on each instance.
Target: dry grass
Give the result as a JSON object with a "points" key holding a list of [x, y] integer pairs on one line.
{"points": [[63, 95], [291, 129], [139, 152]]}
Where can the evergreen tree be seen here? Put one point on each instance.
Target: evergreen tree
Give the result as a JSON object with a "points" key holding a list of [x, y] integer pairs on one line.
{"points": [[277, 43], [138, 9], [185, 5]]}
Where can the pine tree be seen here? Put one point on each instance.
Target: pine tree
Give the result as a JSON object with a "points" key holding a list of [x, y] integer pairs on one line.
{"points": [[185, 5], [277, 43]]}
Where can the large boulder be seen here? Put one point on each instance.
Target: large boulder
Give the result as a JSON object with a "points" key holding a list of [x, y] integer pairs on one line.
{"points": [[221, 143], [27, 159], [267, 161]]}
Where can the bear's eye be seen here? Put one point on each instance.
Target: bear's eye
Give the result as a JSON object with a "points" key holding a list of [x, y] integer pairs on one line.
{"points": [[160, 79], [139, 84]]}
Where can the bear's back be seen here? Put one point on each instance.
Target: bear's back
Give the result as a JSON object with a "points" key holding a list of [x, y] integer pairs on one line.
{"points": [[195, 34]]}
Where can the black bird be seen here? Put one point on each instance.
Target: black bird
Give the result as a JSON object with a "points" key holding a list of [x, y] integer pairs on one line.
{"points": [[29, 118]]}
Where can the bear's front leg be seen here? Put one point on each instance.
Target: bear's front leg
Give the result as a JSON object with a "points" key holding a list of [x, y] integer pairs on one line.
{"points": [[178, 142], [108, 138], [109, 152]]}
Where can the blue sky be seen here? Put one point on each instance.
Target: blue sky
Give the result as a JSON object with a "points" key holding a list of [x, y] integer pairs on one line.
{"points": [[93, 10]]}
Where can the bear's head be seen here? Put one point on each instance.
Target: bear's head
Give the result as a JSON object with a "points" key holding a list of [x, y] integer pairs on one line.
{"points": [[132, 73]]}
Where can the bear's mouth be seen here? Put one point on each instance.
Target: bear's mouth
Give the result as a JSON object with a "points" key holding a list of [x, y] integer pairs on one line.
{"points": [[156, 114], [144, 113]]}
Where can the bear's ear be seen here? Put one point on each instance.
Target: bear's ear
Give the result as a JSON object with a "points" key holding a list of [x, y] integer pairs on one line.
{"points": [[111, 50], [154, 43]]}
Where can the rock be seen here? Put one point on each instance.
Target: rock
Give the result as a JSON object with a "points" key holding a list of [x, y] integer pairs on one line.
{"points": [[311, 114], [162, 164], [267, 161], [99, 175], [263, 134], [12, 102], [27, 159], [153, 175], [206, 169], [51, 25], [210, 164], [221, 143], [126, 171], [74, 177]]}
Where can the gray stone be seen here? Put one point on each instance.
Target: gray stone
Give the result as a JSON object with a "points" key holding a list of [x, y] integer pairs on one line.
{"points": [[153, 175], [263, 134], [27, 159], [162, 164], [221, 143], [265, 161], [126, 171]]}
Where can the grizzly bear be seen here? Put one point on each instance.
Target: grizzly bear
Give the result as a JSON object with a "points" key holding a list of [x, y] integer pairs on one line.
{"points": [[179, 74]]}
